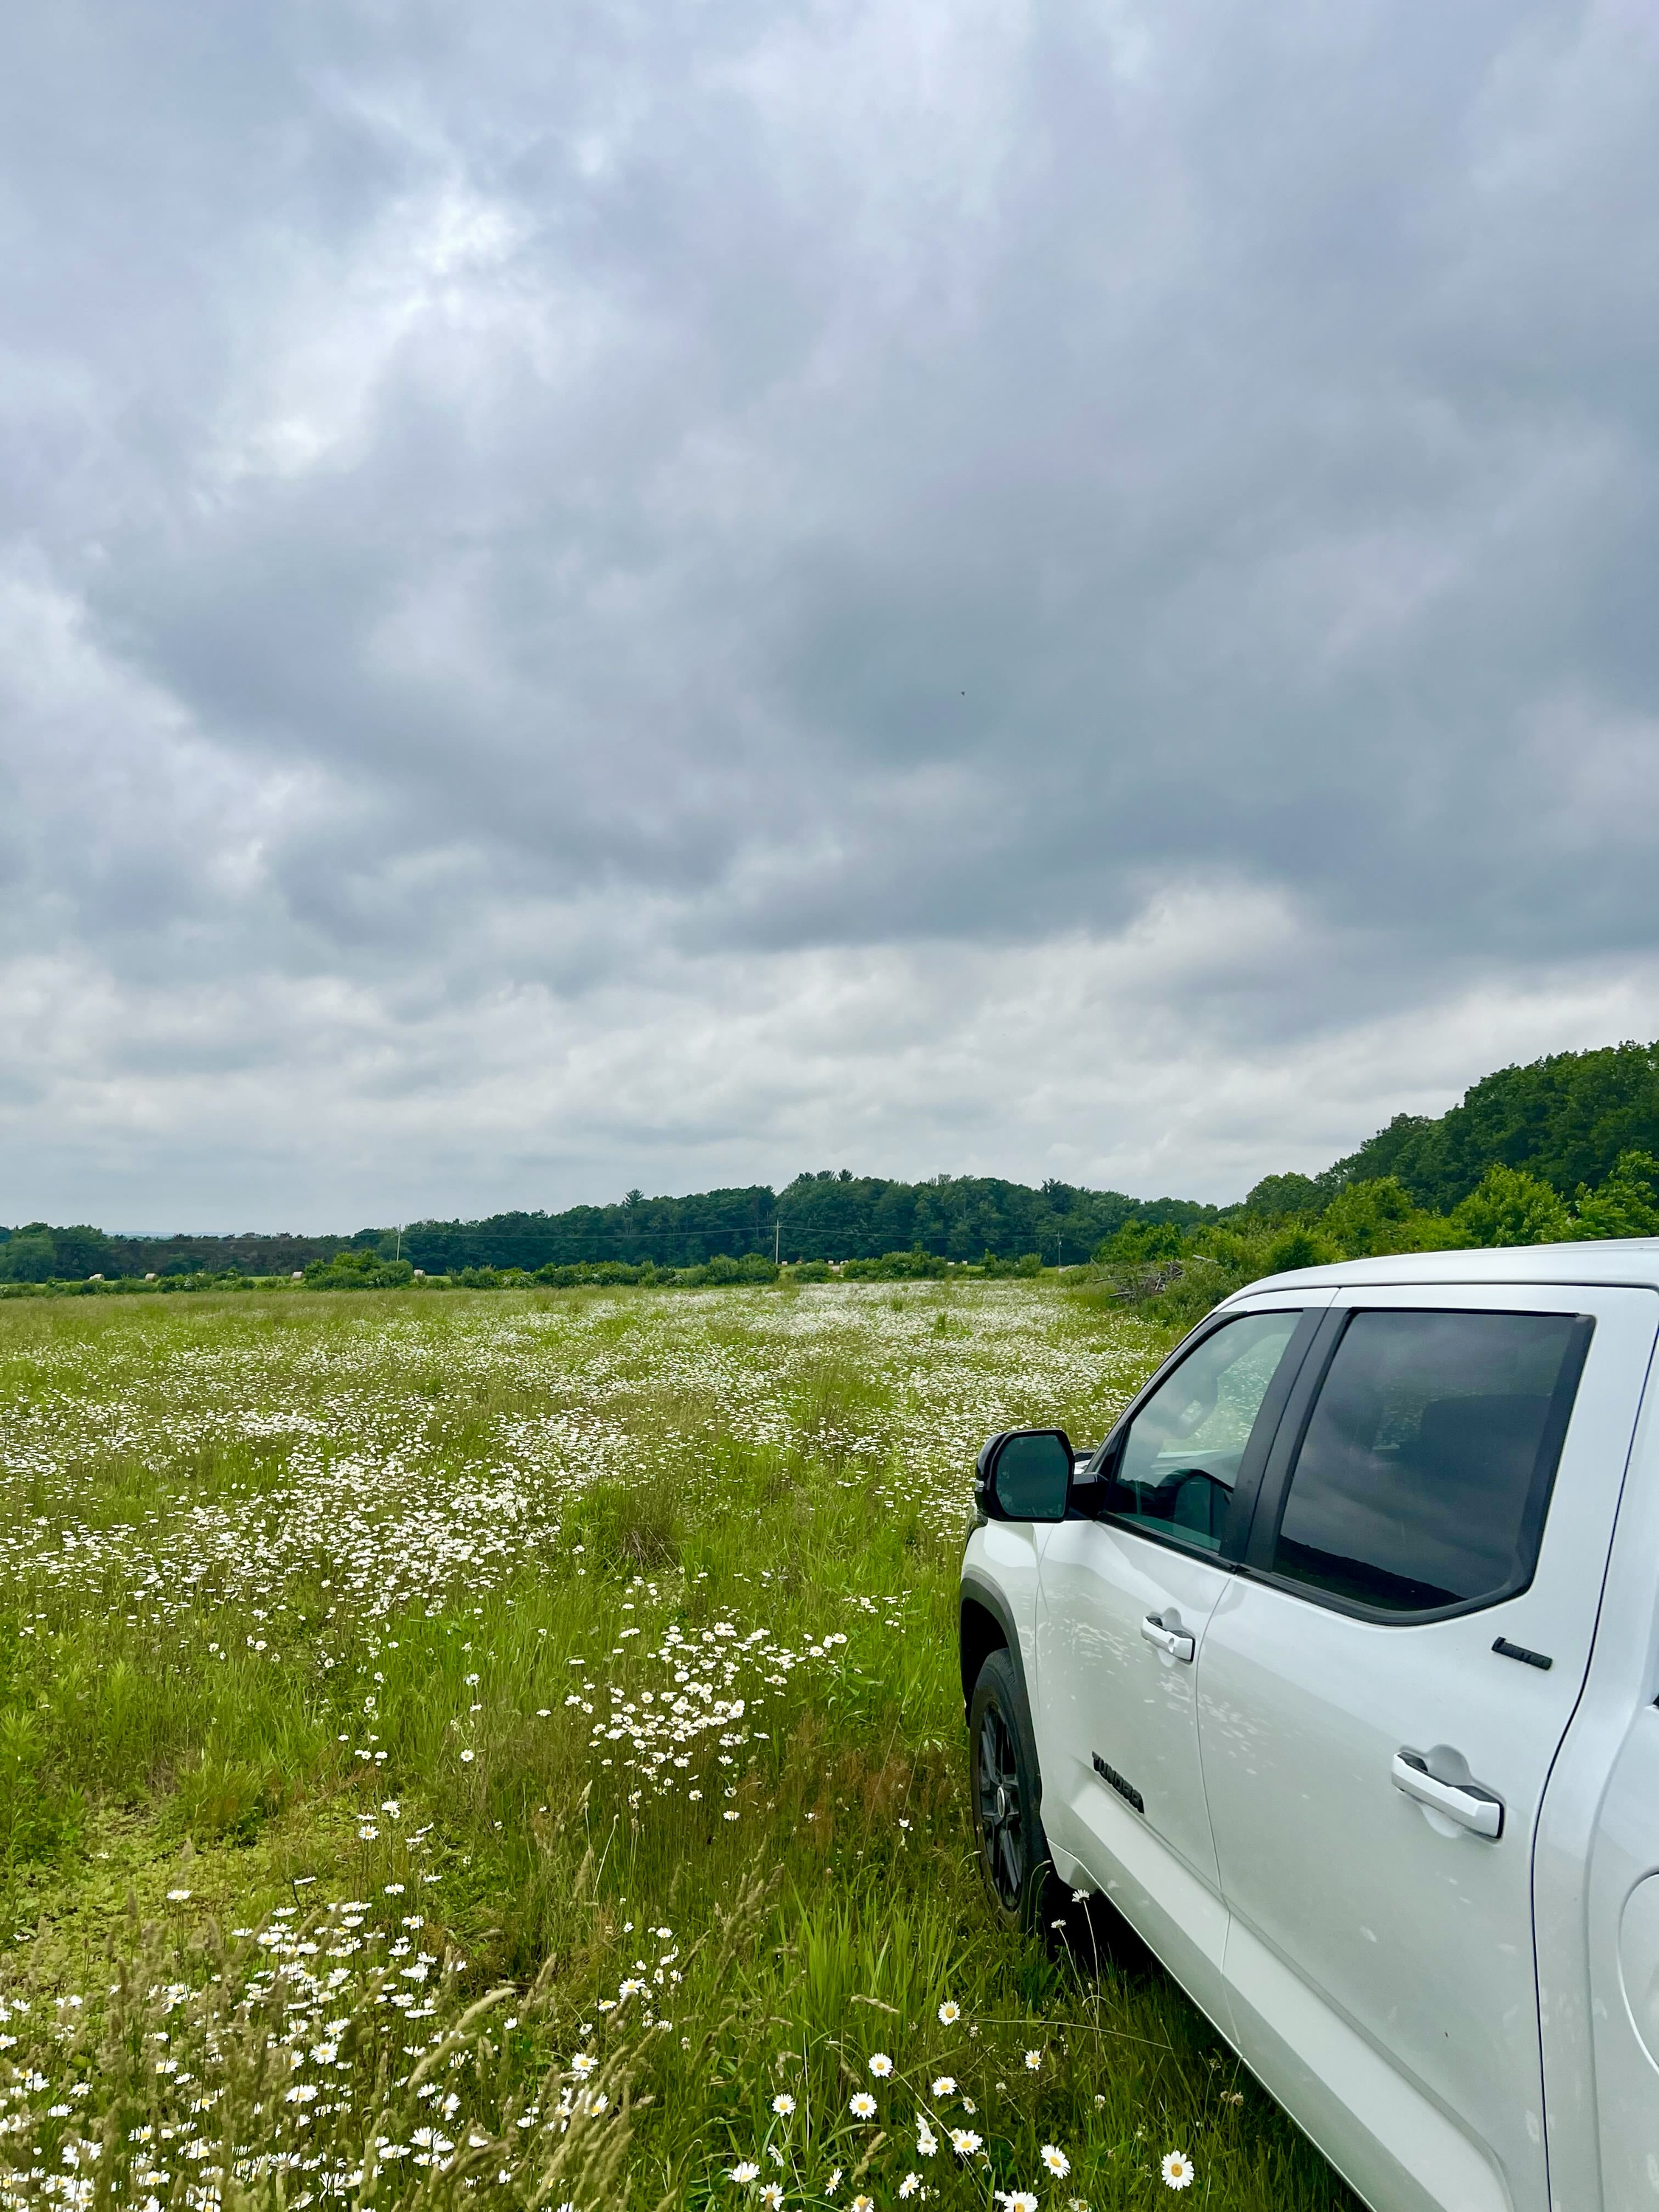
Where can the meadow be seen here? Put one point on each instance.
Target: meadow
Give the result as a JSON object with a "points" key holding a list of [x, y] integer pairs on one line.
{"points": [[508, 1749]]}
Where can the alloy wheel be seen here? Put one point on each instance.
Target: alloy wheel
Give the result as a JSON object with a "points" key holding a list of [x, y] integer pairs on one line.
{"points": [[1002, 1834]]}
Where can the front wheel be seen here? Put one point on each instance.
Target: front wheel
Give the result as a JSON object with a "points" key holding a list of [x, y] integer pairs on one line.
{"points": [[1014, 1850]]}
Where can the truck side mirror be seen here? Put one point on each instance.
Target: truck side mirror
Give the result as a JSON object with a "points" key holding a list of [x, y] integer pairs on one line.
{"points": [[1025, 1474]]}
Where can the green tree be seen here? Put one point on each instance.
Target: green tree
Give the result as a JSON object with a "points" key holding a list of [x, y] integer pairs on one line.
{"points": [[1510, 1206], [1627, 1204], [1137, 1243], [1299, 1247], [1276, 1198], [1370, 1218]]}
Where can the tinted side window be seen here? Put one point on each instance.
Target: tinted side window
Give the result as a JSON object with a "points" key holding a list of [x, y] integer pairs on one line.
{"points": [[1179, 1460], [1424, 1471]]}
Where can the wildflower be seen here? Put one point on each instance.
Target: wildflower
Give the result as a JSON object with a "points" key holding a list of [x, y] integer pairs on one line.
{"points": [[1017, 2200], [927, 2141], [949, 2012], [862, 2204], [744, 2173], [881, 2065], [1056, 2161], [833, 2184], [908, 2186], [774, 2154], [783, 2103], [583, 2065], [366, 1833], [177, 1896], [466, 1759], [944, 2085], [963, 2141], [862, 2106], [1177, 2170], [1033, 2060], [772, 2196]]}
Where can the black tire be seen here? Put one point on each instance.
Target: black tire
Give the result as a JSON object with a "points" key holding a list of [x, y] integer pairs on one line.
{"points": [[1013, 1851]]}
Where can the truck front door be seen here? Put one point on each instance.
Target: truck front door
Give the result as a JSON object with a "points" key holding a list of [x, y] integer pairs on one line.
{"points": [[1124, 1598], [1384, 1692]]}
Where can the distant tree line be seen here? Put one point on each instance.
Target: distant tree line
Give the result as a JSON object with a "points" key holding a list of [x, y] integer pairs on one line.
{"points": [[1576, 1127], [822, 1217]]}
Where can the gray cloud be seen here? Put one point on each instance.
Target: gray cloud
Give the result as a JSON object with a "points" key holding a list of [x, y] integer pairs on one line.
{"points": [[627, 595]]}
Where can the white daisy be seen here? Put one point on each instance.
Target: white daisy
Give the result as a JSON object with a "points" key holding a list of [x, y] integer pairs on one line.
{"points": [[963, 2141], [944, 2085], [1033, 2060], [949, 2012], [783, 2103], [1056, 2161], [744, 2173], [881, 2065], [1177, 2170], [862, 2106]]}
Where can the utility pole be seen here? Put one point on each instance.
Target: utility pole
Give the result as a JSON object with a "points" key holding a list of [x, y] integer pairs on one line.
{"points": [[777, 1239]]}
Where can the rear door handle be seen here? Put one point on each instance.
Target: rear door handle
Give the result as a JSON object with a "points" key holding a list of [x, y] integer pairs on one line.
{"points": [[1172, 1640], [1466, 1802]]}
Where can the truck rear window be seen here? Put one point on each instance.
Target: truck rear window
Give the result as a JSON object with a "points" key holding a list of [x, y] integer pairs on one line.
{"points": [[1425, 1470]]}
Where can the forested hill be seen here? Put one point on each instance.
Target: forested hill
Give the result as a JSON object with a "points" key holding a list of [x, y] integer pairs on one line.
{"points": [[827, 1216], [1565, 1120]]}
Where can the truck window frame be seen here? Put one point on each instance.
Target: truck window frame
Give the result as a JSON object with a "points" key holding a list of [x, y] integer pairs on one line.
{"points": [[1269, 1420], [1273, 1489]]}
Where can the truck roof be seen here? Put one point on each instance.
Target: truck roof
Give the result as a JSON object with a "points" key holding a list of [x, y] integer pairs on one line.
{"points": [[1619, 1259]]}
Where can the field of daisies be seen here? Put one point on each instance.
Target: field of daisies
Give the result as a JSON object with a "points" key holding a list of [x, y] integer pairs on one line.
{"points": [[508, 1749]]}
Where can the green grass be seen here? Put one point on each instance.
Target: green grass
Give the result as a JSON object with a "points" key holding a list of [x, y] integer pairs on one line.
{"points": [[408, 1704]]}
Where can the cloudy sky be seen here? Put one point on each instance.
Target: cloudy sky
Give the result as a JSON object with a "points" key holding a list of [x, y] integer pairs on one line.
{"points": [[613, 593]]}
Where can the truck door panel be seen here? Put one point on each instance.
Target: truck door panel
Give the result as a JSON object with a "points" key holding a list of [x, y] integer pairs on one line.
{"points": [[1350, 1672], [1125, 1599]]}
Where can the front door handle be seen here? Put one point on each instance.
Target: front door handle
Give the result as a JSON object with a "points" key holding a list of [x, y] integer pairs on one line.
{"points": [[1174, 1641], [1466, 1802]]}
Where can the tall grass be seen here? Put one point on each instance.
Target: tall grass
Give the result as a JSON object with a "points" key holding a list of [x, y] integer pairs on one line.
{"points": [[511, 1749]]}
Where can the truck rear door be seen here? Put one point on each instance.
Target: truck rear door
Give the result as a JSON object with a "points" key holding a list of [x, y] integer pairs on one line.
{"points": [[1384, 1692]]}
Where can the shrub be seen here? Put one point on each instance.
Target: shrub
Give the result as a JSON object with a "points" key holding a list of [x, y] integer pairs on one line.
{"points": [[360, 1269], [916, 1265]]}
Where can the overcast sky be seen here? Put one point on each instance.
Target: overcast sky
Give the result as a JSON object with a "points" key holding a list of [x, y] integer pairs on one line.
{"points": [[611, 594]]}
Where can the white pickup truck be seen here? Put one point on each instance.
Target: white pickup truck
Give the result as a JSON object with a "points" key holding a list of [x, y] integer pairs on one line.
{"points": [[1335, 1667]]}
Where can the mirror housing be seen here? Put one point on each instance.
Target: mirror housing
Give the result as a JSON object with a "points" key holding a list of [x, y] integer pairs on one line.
{"points": [[1024, 1475]]}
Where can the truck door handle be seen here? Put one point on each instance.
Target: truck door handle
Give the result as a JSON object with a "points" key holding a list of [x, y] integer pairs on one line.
{"points": [[1466, 1802], [1174, 1641]]}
